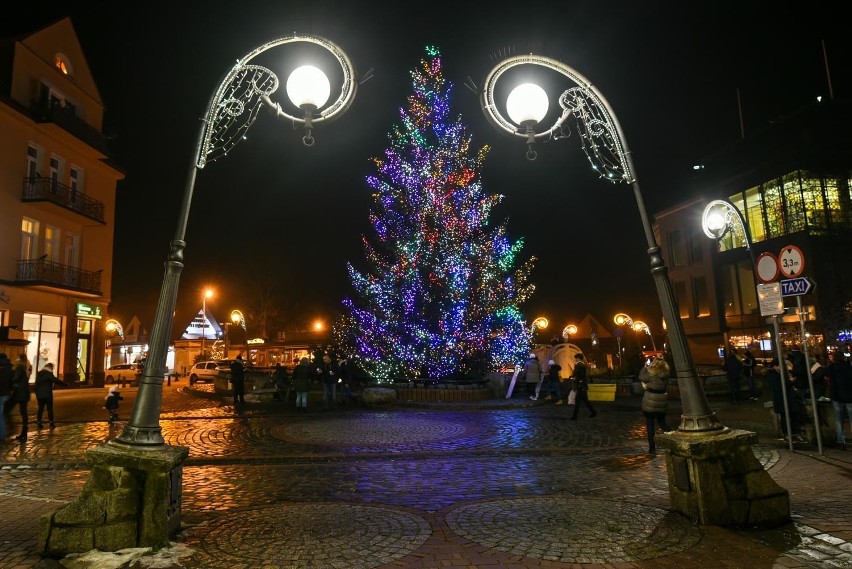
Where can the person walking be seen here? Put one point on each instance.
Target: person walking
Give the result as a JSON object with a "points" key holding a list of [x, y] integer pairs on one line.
{"points": [[5, 392], [329, 371], [302, 375], [111, 404], [774, 380], [581, 386], [282, 384], [840, 374], [21, 393], [44, 382], [238, 380], [654, 377], [532, 375], [749, 364], [733, 371], [550, 384]]}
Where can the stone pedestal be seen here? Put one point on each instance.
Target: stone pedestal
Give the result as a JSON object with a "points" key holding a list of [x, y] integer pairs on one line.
{"points": [[715, 479], [131, 499]]}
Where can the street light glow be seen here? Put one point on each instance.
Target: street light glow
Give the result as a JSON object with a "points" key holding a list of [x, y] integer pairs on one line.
{"points": [[308, 85], [527, 104]]}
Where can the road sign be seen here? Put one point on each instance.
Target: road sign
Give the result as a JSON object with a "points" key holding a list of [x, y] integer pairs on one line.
{"points": [[771, 301], [767, 267], [791, 261], [796, 287]]}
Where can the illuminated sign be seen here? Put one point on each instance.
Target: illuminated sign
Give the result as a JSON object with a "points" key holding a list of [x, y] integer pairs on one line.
{"points": [[88, 311], [256, 341]]}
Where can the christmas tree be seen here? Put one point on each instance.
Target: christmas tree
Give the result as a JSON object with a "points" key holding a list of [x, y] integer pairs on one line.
{"points": [[442, 296]]}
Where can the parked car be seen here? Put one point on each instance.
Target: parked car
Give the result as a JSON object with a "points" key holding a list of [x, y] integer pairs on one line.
{"points": [[124, 374], [207, 371]]}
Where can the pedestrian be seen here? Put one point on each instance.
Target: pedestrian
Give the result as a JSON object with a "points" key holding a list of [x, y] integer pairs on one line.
{"points": [[111, 400], [329, 372], [733, 371], [302, 375], [5, 392], [749, 365], [21, 393], [840, 374], [799, 370], [774, 379], [550, 385], [655, 381], [282, 385], [238, 380], [44, 382], [580, 378], [532, 375]]}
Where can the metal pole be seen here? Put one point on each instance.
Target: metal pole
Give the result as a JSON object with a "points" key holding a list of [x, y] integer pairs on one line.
{"points": [[782, 369], [203, 321], [810, 375]]}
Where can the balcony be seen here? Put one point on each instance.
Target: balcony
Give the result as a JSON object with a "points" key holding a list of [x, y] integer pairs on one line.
{"points": [[47, 190], [66, 118], [44, 273]]}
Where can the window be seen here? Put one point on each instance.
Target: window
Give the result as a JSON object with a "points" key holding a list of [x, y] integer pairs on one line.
{"points": [[74, 181], [700, 297], [680, 295], [61, 62], [70, 249], [55, 167], [29, 239], [676, 249], [696, 252], [51, 243], [32, 161]]}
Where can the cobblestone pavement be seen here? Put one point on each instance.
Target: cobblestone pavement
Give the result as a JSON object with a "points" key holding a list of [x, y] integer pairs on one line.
{"points": [[503, 483]]}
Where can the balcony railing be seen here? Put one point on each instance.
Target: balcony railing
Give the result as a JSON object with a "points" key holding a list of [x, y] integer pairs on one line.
{"points": [[66, 118], [47, 190], [34, 272]]}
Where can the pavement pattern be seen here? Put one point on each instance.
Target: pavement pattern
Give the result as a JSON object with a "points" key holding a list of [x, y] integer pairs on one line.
{"points": [[500, 483]]}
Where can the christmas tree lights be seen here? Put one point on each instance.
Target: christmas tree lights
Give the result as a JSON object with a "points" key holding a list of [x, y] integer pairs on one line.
{"points": [[441, 296]]}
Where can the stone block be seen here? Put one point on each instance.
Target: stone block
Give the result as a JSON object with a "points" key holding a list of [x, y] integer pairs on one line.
{"points": [[115, 536], [122, 504], [88, 509], [71, 539], [771, 511]]}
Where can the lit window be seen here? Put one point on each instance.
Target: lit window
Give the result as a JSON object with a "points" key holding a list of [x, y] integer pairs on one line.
{"points": [[62, 64]]}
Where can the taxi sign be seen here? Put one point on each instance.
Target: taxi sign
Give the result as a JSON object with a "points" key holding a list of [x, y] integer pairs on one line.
{"points": [[796, 287]]}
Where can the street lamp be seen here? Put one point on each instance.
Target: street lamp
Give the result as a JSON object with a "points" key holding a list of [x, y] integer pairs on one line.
{"points": [[208, 293], [114, 327], [701, 441], [153, 466], [621, 319], [540, 323], [606, 148], [640, 326], [238, 318], [569, 331]]}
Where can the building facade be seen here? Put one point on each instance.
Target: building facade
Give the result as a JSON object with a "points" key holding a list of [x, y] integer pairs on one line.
{"points": [[791, 185], [57, 203]]}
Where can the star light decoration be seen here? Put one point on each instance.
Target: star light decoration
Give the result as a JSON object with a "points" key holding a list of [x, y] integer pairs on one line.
{"points": [[442, 294]]}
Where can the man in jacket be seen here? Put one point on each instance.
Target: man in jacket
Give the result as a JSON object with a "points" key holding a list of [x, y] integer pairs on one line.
{"points": [[21, 393], [45, 380], [581, 386], [329, 371], [238, 380]]}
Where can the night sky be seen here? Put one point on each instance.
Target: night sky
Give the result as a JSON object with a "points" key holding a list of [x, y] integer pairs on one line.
{"points": [[670, 70]]}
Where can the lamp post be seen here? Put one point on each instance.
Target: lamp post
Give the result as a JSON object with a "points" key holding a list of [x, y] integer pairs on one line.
{"points": [[621, 319], [238, 318], [541, 323], [700, 440], [204, 296], [569, 331], [640, 326], [115, 328], [140, 448]]}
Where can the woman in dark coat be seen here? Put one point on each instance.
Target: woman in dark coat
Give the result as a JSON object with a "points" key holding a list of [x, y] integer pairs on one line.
{"points": [[655, 401], [45, 380]]}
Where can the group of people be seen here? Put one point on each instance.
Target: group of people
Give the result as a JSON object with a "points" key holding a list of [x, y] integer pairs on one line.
{"points": [[791, 383], [333, 374], [15, 392], [739, 366], [574, 389]]}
